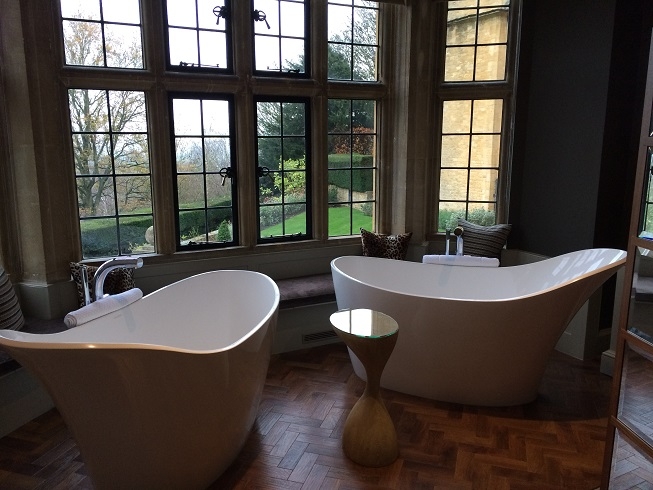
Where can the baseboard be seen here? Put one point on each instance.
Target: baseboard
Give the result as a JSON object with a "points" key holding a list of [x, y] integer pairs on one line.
{"points": [[607, 362]]}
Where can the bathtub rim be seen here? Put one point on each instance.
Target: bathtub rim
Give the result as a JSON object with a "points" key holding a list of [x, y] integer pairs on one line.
{"points": [[614, 263], [25, 340]]}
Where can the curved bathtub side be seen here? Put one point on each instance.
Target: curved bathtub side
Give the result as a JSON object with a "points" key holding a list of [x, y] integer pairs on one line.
{"points": [[157, 418], [481, 352]]}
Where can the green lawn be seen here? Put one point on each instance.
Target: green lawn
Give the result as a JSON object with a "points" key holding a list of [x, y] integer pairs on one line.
{"points": [[338, 223]]}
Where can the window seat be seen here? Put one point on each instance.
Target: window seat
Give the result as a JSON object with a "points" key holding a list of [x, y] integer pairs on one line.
{"points": [[32, 325], [306, 290]]}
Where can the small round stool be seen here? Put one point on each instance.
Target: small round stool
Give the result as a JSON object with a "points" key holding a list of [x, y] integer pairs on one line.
{"points": [[369, 437]]}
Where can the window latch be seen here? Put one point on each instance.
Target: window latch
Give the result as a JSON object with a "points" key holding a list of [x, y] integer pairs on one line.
{"points": [[262, 171], [259, 15], [220, 12], [226, 172]]}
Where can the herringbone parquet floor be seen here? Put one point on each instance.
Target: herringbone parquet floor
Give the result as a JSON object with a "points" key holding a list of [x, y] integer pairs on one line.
{"points": [[555, 442]]}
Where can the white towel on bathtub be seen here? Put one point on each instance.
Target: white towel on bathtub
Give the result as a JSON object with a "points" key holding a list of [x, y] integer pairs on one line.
{"points": [[102, 307], [464, 260]]}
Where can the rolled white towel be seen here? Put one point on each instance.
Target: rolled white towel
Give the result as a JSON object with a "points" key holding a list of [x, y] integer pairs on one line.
{"points": [[102, 307], [464, 260]]}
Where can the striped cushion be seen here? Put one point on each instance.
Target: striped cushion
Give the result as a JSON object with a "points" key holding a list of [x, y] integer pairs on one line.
{"points": [[11, 316], [484, 241]]}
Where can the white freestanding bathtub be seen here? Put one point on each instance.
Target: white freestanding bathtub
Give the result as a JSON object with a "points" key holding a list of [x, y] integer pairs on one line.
{"points": [[472, 335], [164, 392]]}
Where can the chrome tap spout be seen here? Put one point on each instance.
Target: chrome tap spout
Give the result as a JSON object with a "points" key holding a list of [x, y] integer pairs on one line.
{"points": [[103, 271]]}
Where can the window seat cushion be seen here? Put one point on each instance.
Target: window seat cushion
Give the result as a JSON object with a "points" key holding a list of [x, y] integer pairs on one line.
{"points": [[306, 290]]}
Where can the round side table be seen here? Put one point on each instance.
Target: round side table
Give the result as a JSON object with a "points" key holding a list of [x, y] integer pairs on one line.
{"points": [[369, 437]]}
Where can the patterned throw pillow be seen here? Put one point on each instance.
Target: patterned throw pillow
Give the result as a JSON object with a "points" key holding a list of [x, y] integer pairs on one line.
{"points": [[385, 246], [118, 281], [484, 241]]}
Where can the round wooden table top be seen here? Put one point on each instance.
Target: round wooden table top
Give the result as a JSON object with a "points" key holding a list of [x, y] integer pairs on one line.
{"points": [[363, 322]]}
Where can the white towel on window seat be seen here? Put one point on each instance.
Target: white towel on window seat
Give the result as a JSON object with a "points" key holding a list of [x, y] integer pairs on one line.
{"points": [[464, 260], [102, 307]]}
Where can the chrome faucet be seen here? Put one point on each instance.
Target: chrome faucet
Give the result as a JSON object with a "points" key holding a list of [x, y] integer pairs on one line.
{"points": [[458, 231], [103, 271]]}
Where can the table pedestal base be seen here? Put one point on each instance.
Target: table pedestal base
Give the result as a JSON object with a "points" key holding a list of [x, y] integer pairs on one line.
{"points": [[369, 436]]}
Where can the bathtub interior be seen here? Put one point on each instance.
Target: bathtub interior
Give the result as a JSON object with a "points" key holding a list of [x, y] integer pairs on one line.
{"points": [[476, 283], [175, 317]]}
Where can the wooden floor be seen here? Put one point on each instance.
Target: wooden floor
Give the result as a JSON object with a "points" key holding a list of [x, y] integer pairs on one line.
{"points": [[555, 442]]}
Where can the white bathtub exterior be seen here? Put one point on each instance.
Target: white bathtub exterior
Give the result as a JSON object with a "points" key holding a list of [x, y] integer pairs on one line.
{"points": [[472, 335], [163, 393]]}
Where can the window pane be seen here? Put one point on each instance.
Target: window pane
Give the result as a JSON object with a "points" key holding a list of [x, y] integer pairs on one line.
{"points": [[352, 165], [453, 184], [455, 151], [491, 62], [183, 47], [210, 56], [217, 153], [136, 194], [132, 229], [190, 191], [487, 116], [109, 36], [461, 26], [353, 40], [459, 64], [111, 154], [456, 116], [483, 185], [83, 43], [485, 150], [205, 178], [340, 22], [280, 36], [99, 238], [448, 214], [81, 9], [188, 155], [124, 11], [129, 151], [187, 116]]}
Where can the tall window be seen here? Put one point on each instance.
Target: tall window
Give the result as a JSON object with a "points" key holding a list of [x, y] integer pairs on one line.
{"points": [[283, 170], [475, 131], [206, 179], [111, 154], [211, 159], [352, 165]]}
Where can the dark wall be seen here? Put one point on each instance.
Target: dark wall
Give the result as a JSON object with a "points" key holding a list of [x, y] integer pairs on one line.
{"points": [[630, 50], [566, 90]]}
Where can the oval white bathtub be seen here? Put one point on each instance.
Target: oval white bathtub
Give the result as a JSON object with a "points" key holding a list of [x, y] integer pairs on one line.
{"points": [[162, 393], [472, 335]]}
